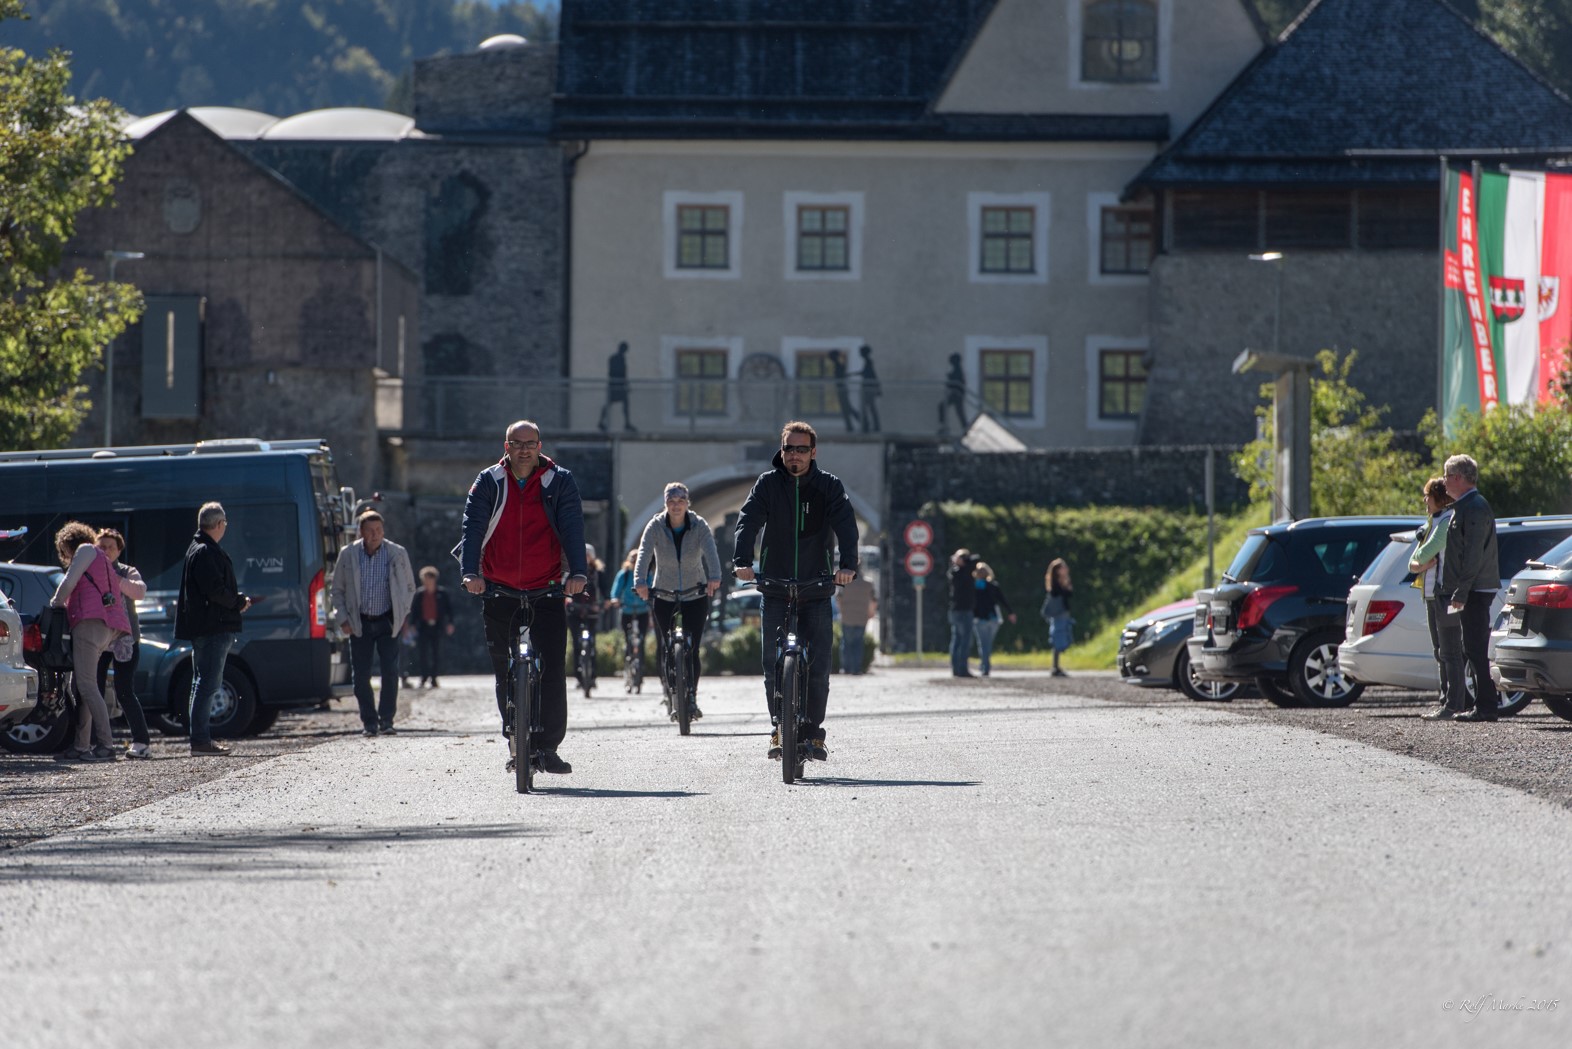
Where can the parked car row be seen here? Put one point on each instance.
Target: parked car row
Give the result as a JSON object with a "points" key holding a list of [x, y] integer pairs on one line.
{"points": [[1311, 612]]}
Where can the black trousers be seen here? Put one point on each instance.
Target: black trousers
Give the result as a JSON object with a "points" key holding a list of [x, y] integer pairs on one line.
{"points": [[130, 706], [694, 613], [504, 618]]}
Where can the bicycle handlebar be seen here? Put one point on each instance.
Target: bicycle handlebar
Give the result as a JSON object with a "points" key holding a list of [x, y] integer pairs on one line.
{"points": [[679, 596], [531, 596], [797, 588]]}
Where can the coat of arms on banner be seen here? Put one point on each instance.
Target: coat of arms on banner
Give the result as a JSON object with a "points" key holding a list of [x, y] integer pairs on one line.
{"points": [[1507, 298], [1549, 297]]}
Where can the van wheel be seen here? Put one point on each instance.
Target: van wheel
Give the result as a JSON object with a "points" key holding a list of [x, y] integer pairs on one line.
{"points": [[232, 710], [1276, 693], [1316, 678], [1560, 706]]}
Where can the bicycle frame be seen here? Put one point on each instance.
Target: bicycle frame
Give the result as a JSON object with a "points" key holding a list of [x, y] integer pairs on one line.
{"points": [[674, 656], [524, 718], [791, 718]]}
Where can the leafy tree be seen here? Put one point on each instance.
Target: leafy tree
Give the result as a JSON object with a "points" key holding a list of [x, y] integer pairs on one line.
{"points": [[57, 157], [1524, 456], [1355, 464]]}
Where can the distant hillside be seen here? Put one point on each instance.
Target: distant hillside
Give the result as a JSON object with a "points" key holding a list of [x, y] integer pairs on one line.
{"points": [[279, 56]]}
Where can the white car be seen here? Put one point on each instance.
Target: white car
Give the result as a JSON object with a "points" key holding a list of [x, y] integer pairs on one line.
{"points": [[18, 681], [1387, 640]]}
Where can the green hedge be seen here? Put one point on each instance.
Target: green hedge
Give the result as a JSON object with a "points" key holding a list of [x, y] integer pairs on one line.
{"points": [[1117, 556]]}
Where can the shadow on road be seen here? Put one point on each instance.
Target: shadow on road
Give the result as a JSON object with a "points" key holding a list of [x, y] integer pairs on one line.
{"points": [[590, 792], [124, 856], [843, 781]]}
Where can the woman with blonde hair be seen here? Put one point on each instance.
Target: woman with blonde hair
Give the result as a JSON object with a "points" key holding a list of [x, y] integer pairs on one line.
{"points": [[95, 608], [986, 609]]}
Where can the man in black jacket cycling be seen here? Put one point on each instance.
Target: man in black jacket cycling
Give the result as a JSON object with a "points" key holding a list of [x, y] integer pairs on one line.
{"points": [[801, 511]]}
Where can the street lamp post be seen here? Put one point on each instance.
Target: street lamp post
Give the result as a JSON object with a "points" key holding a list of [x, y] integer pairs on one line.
{"points": [[113, 257], [1291, 409]]}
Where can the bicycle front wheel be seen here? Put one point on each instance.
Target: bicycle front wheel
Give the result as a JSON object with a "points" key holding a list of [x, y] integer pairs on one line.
{"points": [[789, 706], [679, 686], [523, 750]]}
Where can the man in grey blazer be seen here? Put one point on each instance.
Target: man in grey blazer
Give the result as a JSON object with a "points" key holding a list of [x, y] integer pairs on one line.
{"points": [[373, 590], [1470, 577]]}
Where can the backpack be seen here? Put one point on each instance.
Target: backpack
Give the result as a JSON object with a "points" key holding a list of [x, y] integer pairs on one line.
{"points": [[56, 631]]}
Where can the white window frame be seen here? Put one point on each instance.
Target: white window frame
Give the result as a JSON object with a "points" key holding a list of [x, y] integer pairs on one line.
{"points": [[975, 202], [670, 344], [1038, 344], [792, 345], [853, 202], [1095, 345], [1165, 35], [730, 199], [1095, 203]]}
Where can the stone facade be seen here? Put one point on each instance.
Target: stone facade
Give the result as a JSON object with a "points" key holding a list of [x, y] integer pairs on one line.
{"points": [[1208, 307]]}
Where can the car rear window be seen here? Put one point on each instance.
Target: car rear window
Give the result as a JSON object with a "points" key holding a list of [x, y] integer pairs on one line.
{"points": [[1517, 548], [1558, 556], [1383, 566], [1347, 556], [1259, 560]]}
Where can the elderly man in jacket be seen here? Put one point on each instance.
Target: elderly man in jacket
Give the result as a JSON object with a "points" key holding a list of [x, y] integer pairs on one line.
{"points": [[1470, 577], [373, 588]]}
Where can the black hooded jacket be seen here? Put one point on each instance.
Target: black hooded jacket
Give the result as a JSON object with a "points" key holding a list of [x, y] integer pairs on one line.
{"points": [[802, 519]]}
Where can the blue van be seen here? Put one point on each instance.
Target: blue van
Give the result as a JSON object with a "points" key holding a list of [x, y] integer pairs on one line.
{"points": [[288, 518]]}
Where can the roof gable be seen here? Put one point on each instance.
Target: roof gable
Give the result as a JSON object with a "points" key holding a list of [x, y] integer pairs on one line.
{"points": [[1362, 78]]}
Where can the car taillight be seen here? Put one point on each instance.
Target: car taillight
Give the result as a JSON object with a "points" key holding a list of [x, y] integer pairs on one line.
{"points": [[5, 630], [317, 595], [1550, 595], [1379, 615], [32, 638], [1258, 601]]}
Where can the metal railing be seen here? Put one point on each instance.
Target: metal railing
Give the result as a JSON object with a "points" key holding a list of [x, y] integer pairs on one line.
{"points": [[481, 407]]}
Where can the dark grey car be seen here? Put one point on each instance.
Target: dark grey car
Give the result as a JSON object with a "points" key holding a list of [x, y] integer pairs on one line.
{"points": [[1534, 654]]}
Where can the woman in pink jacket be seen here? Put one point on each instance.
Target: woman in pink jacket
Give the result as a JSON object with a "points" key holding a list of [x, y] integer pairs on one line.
{"points": [[95, 608]]}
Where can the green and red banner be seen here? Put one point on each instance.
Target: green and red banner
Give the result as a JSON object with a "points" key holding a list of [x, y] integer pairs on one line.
{"points": [[1507, 243]]}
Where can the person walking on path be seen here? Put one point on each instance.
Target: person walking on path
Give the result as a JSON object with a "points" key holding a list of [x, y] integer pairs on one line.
{"points": [[857, 607], [95, 609], [954, 394], [1056, 610], [677, 553], [523, 521], [1470, 577], [122, 655], [433, 616], [617, 388], [808, 526], [989, 609], [963, 599], [1426, 564], [373, 589], [870, 392], [208, 616]]}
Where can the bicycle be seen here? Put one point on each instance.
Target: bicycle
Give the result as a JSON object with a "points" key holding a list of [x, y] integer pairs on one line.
{"points": [[586, 667], [792, 660], [680, 691], [523, 685], [633, 656]]}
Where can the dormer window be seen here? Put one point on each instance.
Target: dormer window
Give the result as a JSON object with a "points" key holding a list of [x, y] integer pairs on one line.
{"points": [[1119, 41]]}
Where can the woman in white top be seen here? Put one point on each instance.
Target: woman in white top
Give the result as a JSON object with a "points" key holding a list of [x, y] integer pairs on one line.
{"points": [[1426, 566]]}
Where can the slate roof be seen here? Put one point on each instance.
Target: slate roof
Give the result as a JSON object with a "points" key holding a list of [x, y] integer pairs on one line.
{"points": [[785, 69], [1367, 91]]}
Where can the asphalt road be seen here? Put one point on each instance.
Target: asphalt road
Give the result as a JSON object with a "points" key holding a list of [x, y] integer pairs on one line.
{"points": [[991, 863]]}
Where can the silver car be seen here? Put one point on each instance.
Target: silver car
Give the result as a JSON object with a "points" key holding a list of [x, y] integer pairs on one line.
{"points": [[18, 681], [1387, 640]]}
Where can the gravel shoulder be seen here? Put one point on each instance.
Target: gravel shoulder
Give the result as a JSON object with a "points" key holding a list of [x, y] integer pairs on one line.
{"points": [[1528, 752]]}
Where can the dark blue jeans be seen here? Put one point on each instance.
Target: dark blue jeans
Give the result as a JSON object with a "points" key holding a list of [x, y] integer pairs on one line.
{"points": [[815, 630], [376, 638], [208, 655], [961, 623]]}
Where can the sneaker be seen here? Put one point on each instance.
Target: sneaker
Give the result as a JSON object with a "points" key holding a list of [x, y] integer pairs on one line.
{"points": [[434, 683], [73, 754], [694, 713], [549, 762], [139, 750], [510, 766], [1440, 714], [103, 753], [388, 730], [775, 745], [1059, 673], [816, 749], [216, 750]]}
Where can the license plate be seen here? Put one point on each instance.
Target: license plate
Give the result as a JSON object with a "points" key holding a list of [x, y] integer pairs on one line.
{"points": [[1515, 623]]}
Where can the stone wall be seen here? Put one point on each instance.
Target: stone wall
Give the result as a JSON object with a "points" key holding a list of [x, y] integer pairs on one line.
{"points": [[1207, 307]]}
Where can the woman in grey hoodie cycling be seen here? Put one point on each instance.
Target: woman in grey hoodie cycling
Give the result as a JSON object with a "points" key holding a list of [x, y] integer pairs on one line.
{"points": [[681, 547]]}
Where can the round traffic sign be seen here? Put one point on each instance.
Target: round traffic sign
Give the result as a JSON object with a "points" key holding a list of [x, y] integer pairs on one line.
{"points": [[919, 533], [919, 562]]}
